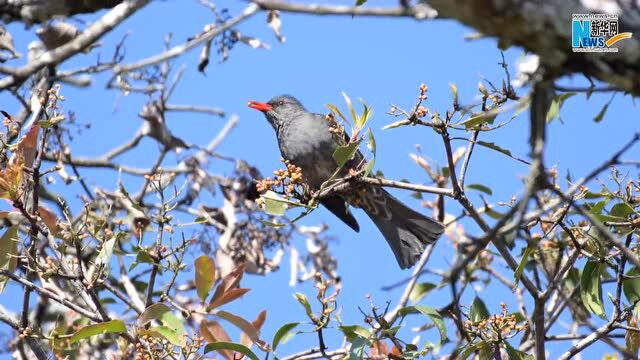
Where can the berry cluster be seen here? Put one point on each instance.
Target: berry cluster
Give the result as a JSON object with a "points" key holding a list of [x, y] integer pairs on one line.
{"points": [[286, 180]]}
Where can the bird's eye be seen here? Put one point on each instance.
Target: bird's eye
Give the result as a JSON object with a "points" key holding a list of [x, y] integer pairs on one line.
{"points": [[281, 102]]}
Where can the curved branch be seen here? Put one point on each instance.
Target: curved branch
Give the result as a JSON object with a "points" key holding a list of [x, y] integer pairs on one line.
{"points": [[542, 29], [94, 32]]}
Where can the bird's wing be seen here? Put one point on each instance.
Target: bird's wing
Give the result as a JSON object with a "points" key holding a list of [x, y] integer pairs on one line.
{"points": [[339, 208]]}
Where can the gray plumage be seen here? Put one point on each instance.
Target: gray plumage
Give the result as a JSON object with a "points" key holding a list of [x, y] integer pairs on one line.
{"points": [[305, 140]]}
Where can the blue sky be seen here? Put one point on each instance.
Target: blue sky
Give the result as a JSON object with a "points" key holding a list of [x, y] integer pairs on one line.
{"points": [[382, 61]]}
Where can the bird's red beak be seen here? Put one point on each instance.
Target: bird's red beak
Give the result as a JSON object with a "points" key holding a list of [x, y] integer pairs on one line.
{"points": [[259, 106]]}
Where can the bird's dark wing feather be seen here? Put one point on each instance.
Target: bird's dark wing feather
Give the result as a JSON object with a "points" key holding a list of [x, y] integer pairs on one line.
{"points": [[339, 208]]}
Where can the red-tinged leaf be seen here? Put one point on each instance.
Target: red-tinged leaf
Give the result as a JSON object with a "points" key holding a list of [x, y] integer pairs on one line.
{"points": [[257, 324], [228, 297], [212, 332], [49, 219], [205, 275], [229, 282], [27, 145], [244, 325]]}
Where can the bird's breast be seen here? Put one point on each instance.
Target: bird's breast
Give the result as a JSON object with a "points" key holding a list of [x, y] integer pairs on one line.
{"points": [[311, 151]]}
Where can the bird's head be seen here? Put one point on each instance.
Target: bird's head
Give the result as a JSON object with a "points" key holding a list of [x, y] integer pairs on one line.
{"points": [[279, 110]]}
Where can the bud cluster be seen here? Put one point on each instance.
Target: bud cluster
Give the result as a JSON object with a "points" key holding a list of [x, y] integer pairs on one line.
{"points": [[334, 127], [423, 92], [497, 326]]}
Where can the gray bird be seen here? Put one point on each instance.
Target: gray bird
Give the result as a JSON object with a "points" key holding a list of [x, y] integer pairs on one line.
{"points": [[305, 140]]}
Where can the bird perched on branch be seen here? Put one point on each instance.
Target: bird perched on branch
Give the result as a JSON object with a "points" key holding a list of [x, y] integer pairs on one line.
{"points": [[305, 139]]}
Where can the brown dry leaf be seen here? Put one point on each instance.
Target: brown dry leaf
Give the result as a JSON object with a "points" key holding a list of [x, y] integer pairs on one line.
{"points": [[6, 42], [252, 333], [257, 324], [251, 41], [212, 331], [27, 145], [11, 178], [422, 162], [58, 34], [379, 349], [395, 351], [49, 219], [458, 154], [273, 20]]}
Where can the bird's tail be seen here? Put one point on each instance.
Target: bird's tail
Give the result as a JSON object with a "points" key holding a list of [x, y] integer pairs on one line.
{"points": [[406, 230]]}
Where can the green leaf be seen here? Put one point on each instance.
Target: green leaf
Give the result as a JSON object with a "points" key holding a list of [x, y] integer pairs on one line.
{"points": [[351, 109], [284, 334], [515, 354], [344, 153], [273, 204], [591, 289], [469, 349], [601, 113], [454, 92], [420, 290], [621, 210], [353, 331], [173, 322], [492, 213], [356, 351], [480, 187], [371, 144], [519, 317], [162, 312], [631, 286], [334, 109], [108, 327], [141, 257], [523, 262], [478, 310], [556, 104], [495, 147], [164, 332], [205, 275], [437, 320], [367, 112], [223, 345], [302, 299], [597, 208], [104, 256], [478, 119], [8, 253], [360, 2], [153, 312], [603, 110]]}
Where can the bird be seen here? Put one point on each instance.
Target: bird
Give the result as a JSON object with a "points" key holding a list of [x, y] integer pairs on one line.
{"points": [[305, 140]]}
